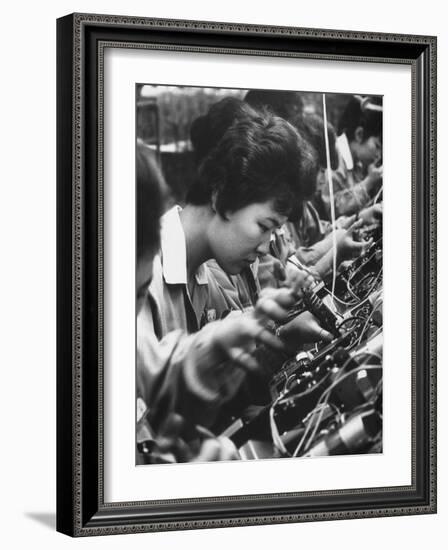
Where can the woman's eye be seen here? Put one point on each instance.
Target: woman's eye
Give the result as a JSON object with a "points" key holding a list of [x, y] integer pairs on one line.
{"points": [[264, 228]]}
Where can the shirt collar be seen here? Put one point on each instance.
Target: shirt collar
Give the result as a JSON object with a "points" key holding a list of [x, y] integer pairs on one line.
{"points": [[344, 150], [174, 250]]}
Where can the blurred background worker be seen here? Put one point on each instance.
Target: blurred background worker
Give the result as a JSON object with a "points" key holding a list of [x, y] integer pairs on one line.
{"points": [[359, 176]]}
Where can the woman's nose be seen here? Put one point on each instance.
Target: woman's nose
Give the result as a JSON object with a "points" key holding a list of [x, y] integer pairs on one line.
{"points": [[263, 247]]}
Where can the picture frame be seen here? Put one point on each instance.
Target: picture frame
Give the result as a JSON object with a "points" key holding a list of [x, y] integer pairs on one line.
{"points": [[81, 42]]}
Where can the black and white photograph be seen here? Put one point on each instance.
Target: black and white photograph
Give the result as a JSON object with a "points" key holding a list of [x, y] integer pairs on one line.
{"points": [[246, 276], [259, 274]]}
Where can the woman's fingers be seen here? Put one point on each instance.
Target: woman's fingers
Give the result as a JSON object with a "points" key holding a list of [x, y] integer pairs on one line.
{"points": [[270, 308], [305, 329], [371, 214], [280, 295], [324, 335], [286, 297], [279, 271], [356, 247], [356, 225], [315, 332], [210, 451], [228, 451], [269, 339], [242, 358], [220, 448], [348, 222]]}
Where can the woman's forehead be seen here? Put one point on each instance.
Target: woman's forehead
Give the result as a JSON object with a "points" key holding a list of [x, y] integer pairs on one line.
{"points": [[267, 210]]}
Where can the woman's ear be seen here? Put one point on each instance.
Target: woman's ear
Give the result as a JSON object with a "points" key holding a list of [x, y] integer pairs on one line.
{"points": [[359, 134], [214, 207]]}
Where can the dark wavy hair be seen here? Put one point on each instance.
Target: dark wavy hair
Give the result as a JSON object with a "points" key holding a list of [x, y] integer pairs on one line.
{"points": [[150, 192], [355, 115], [207, 130], [283, 103], [311, 128], [247, 157]]}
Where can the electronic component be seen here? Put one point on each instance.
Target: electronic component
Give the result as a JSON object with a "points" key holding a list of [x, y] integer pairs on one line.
{"points": [[327, 399], [357, 433], [313, 300]]}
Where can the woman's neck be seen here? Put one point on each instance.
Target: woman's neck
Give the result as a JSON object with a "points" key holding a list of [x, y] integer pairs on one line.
{"points": [[195, 222]]}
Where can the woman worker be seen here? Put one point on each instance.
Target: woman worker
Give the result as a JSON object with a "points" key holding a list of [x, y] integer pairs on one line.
{"points": [[183, 378]]}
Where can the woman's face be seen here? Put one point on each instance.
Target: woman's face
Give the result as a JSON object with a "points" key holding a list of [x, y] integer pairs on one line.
{"points": [[238, 239], [367, 151]]}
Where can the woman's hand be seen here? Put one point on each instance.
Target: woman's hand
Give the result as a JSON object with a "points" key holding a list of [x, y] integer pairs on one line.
{"points": [[180, 442], [374, 178], [303, 329], [237, 336], [225, 349], [372, 214], [347, 247]]}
